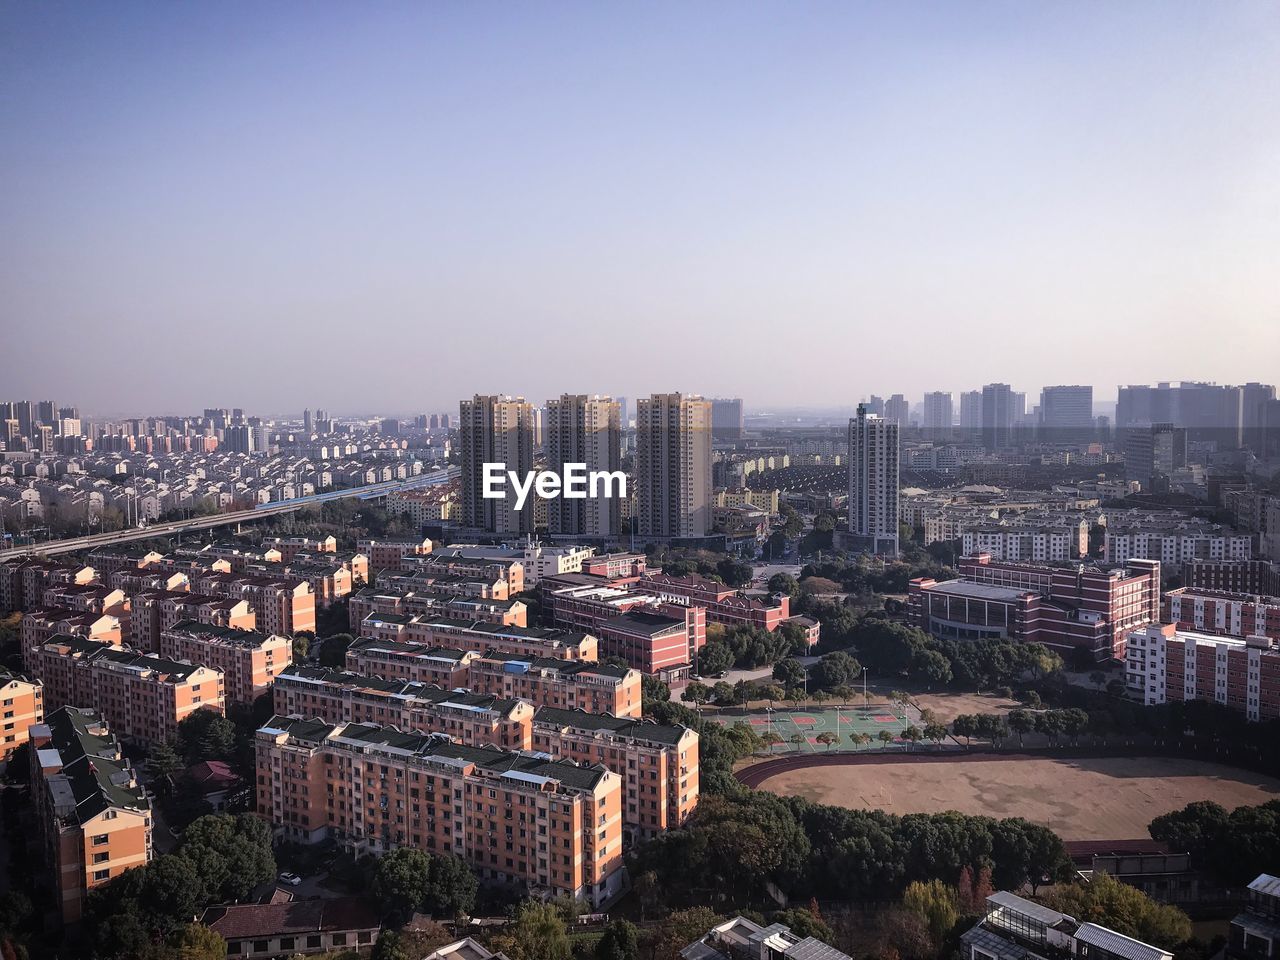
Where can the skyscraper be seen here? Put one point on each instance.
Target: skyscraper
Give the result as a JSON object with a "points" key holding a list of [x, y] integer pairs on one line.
{"points": [[971, 412], [998, 416], [308, 424], [937, 415], [873, 483], [875, 406], [673, 466], [588, 430], [499, 430], [726, 419], [897, 408], [1066, 412], [1152, 452]]}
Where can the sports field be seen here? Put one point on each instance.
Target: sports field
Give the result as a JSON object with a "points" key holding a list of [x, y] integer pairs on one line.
{"points": [[1080, 799], [799, 730]]}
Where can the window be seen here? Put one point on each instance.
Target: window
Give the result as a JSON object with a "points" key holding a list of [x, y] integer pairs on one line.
{"points": [[100, 839], [101, 857], [313, 940], [339, 939], [101, 875]]}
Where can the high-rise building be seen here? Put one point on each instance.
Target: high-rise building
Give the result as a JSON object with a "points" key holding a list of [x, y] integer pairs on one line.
{"points": [[25, 414], [587, 430], [1255, 398], [673, 466], [971, 412], [308, 423], [47, 412], [873, 483], [498, 430], [389, 427], [896, 408], [1208, 411], [998, 416], [726, 419], [875, 406], [937, 415], [1152, 453], [1066, 412]]}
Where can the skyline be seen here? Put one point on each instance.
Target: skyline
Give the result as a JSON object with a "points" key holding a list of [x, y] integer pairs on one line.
{"points": [[417, 203]]}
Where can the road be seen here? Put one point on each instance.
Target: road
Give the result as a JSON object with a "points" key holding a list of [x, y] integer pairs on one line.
{"points": [[368, 492]]}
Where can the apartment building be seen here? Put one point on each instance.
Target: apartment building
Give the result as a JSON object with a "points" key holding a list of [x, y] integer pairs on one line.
{"points": [[387, 554], [434, 606], [584, 430], [417, 662], [483, 563], [91, 597], [1233, 576], [290, 547], [144, 697], [485, 587], [673, 467], [24, 580], [495, 429], [1166, 664], [1176, 545], [38, 626], [1025, 544], [1066, 607], [1014, 928], [1219, 612], [469, 718], [547, 827], [433, 505], [155, 611], [281, 605], [873, 483], [134, 582], [248, 660], [658, 763], [21, 705], [551, 642], [93, 816], [546, 682], [615, 566]]}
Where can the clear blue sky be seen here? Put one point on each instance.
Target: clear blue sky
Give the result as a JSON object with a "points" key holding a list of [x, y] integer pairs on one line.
{"points": [[388, 206]]}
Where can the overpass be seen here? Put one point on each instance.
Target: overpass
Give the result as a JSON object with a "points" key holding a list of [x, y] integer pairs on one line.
{"points": [[370, 491]]}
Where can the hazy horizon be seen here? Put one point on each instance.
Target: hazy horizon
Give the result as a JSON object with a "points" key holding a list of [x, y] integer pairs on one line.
{"points": [[388, 207]]}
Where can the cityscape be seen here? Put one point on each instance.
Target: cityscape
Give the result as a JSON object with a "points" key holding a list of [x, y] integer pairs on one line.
{"points": [[661, 482]]}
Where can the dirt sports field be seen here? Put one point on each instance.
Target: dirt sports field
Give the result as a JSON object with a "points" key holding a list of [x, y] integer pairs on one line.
{"points": [[1080, 799]]}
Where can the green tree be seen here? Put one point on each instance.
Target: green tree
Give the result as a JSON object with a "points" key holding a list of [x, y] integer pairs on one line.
{"points": [[205, 734], [621, 941], [301, 645], [538, 933], [935, 903], [195, 941], [164, 760], [714, 658], [333, 651], [1021, 722], [836, 669], [400, 883], [682, 928], [231, 853], [937, 732], [451, 889], [696, 693], [964, 726], [784, 583], [789, 672], [654, 690], [885, 737], [1123, 908]]}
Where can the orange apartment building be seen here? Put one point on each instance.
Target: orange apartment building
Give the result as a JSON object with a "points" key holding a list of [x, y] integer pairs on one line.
{"points": [[416, 662], [281, 605], [570, 685], [21, 705], [472, 719], [387, 554], [156, 611], [290, 547], [509, 571], [457, 585], [658, 763], [94, 817], [545, 826], [435, 606], [248, 660], [142, 697], [531, 641], [90, 598], [134, 582], [38, 626], [24, 580]]}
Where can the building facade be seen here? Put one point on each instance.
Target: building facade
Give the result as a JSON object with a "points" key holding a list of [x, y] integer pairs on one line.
{"points": [[873, 483]]}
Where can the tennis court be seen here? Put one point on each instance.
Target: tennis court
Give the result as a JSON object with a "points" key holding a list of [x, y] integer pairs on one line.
{"points": [[798, 730]]}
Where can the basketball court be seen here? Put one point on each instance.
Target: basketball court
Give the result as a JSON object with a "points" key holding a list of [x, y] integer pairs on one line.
{"points": [[798, 730]]}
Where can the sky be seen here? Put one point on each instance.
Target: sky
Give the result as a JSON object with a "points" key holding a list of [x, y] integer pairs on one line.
{"points": [[383, 207]]}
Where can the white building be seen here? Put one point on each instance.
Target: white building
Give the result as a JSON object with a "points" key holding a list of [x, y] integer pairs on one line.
{"points": [[873, 483]]}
